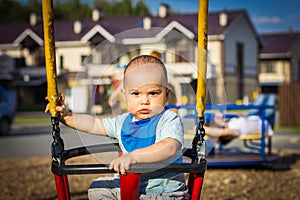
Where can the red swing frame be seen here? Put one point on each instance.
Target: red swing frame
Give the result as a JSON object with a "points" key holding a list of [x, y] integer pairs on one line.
{"points": [[128, 183]]}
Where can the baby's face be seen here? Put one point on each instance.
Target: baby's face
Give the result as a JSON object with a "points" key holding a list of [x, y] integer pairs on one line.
{"points": [[145, 91]]}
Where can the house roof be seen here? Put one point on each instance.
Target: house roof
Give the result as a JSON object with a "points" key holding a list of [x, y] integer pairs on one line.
{"points": [[214, 27], [278, 43], [109, 27]]}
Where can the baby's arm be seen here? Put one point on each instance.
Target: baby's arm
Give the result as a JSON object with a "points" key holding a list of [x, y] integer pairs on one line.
{"points": [[157, 152], [82, 122]]}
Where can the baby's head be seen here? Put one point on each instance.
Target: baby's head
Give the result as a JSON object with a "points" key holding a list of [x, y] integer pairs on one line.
{"points": [[145, 86], [149, 67]]}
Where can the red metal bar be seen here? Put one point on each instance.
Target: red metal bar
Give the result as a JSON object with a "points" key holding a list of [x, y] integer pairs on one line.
{"points": [[129, 186], [62, 187], [66, 185], [195, 185]]}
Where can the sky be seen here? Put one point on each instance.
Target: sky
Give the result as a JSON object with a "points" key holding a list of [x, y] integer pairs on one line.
{"points": [[266, 15]]}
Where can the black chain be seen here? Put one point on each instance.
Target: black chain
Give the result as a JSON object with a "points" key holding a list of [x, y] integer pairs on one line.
{"points": [[198, 144], [57, 146]]}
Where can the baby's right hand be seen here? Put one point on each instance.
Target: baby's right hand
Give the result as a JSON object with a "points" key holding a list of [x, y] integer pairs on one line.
{"points": [[61, 108]]}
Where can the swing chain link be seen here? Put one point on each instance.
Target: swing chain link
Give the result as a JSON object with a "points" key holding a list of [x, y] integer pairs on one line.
{"points": [[57, 146], [199, 144]]}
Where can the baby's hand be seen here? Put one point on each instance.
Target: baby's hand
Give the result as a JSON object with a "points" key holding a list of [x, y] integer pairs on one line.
{"points": [[122, 164], [62, 109]]}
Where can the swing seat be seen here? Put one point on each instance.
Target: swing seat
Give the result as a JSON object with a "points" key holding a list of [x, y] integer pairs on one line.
{"points": [[128, 183]]}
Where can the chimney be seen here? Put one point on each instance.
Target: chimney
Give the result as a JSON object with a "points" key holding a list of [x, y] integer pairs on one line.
{"points": [[147, 22], [223, 18], [34, 19], [77, 27], [163, 10], [97, 14]]}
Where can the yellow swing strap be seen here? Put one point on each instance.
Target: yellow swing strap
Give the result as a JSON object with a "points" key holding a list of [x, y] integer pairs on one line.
{"points": [[57, 147], [199, 145], [49, 44], [202, 55]]}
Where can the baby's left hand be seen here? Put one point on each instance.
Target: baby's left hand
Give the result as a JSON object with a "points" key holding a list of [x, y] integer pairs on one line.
{"points": [[123, 163]]}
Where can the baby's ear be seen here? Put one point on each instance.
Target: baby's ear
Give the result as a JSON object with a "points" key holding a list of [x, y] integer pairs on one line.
{"points": [[168, 92]]}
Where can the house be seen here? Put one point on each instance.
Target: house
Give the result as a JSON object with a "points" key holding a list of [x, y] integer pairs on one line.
{"points": [[233, 46], [279, 60], [89, 53]]}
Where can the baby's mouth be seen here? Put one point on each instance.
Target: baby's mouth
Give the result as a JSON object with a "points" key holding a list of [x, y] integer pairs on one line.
{"points": [[144, 111]]}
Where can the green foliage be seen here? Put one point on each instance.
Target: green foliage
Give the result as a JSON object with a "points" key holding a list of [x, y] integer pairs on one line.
{"points": [[12, 11], [71, 9], [15, 11], [141, 9]]}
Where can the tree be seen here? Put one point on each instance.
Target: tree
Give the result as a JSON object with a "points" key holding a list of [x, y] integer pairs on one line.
{"points": [[12, 11], [141, 9], [15, 11]]}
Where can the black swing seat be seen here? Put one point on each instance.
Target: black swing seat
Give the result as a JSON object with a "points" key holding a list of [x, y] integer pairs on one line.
{"points": [[60, 168]]}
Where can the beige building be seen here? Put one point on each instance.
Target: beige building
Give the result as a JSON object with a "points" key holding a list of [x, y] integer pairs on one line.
{"points": [[279, 60]]}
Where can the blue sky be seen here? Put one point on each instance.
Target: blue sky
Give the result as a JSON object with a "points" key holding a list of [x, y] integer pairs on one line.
{"points": [[266, 15]]}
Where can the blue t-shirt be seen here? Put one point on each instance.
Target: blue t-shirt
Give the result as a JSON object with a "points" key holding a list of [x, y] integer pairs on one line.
{"points": [[168, 125]]}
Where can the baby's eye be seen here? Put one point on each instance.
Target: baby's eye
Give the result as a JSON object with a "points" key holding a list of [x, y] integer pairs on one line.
{"points": [[135, 93], [154, 93]]}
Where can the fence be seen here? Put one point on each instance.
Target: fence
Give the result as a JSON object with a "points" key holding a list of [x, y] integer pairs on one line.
{"points": [[289, 104]]}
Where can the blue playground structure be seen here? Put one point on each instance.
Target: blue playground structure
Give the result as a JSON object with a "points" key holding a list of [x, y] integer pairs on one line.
{"points": [[256, 148]]}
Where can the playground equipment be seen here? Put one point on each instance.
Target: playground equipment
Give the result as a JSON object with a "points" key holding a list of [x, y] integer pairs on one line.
{"points": [[129, 182], [257, 146]]}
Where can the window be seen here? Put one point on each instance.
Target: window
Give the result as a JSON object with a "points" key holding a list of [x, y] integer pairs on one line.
{"points": [[240, 68], [180, 57], [268, 67], [184, 51], [83, 59], [61, 62], [20, 62]]}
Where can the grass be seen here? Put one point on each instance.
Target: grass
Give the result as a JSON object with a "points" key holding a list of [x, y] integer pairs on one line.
{"points": [[287, 128], [26, 120], [46, 119]]}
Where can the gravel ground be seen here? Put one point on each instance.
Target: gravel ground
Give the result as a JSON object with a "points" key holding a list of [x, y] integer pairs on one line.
{"points": [[31, 178]]}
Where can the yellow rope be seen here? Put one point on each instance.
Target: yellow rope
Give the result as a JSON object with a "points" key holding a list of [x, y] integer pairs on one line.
{"points": [[49, 44]]}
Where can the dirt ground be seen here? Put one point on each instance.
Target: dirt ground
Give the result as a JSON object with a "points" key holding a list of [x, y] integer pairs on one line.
{"points": [[31, 178]]}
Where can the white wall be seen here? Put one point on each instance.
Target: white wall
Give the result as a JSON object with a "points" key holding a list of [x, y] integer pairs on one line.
{"points": [[72, 57], [242, 33]]}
